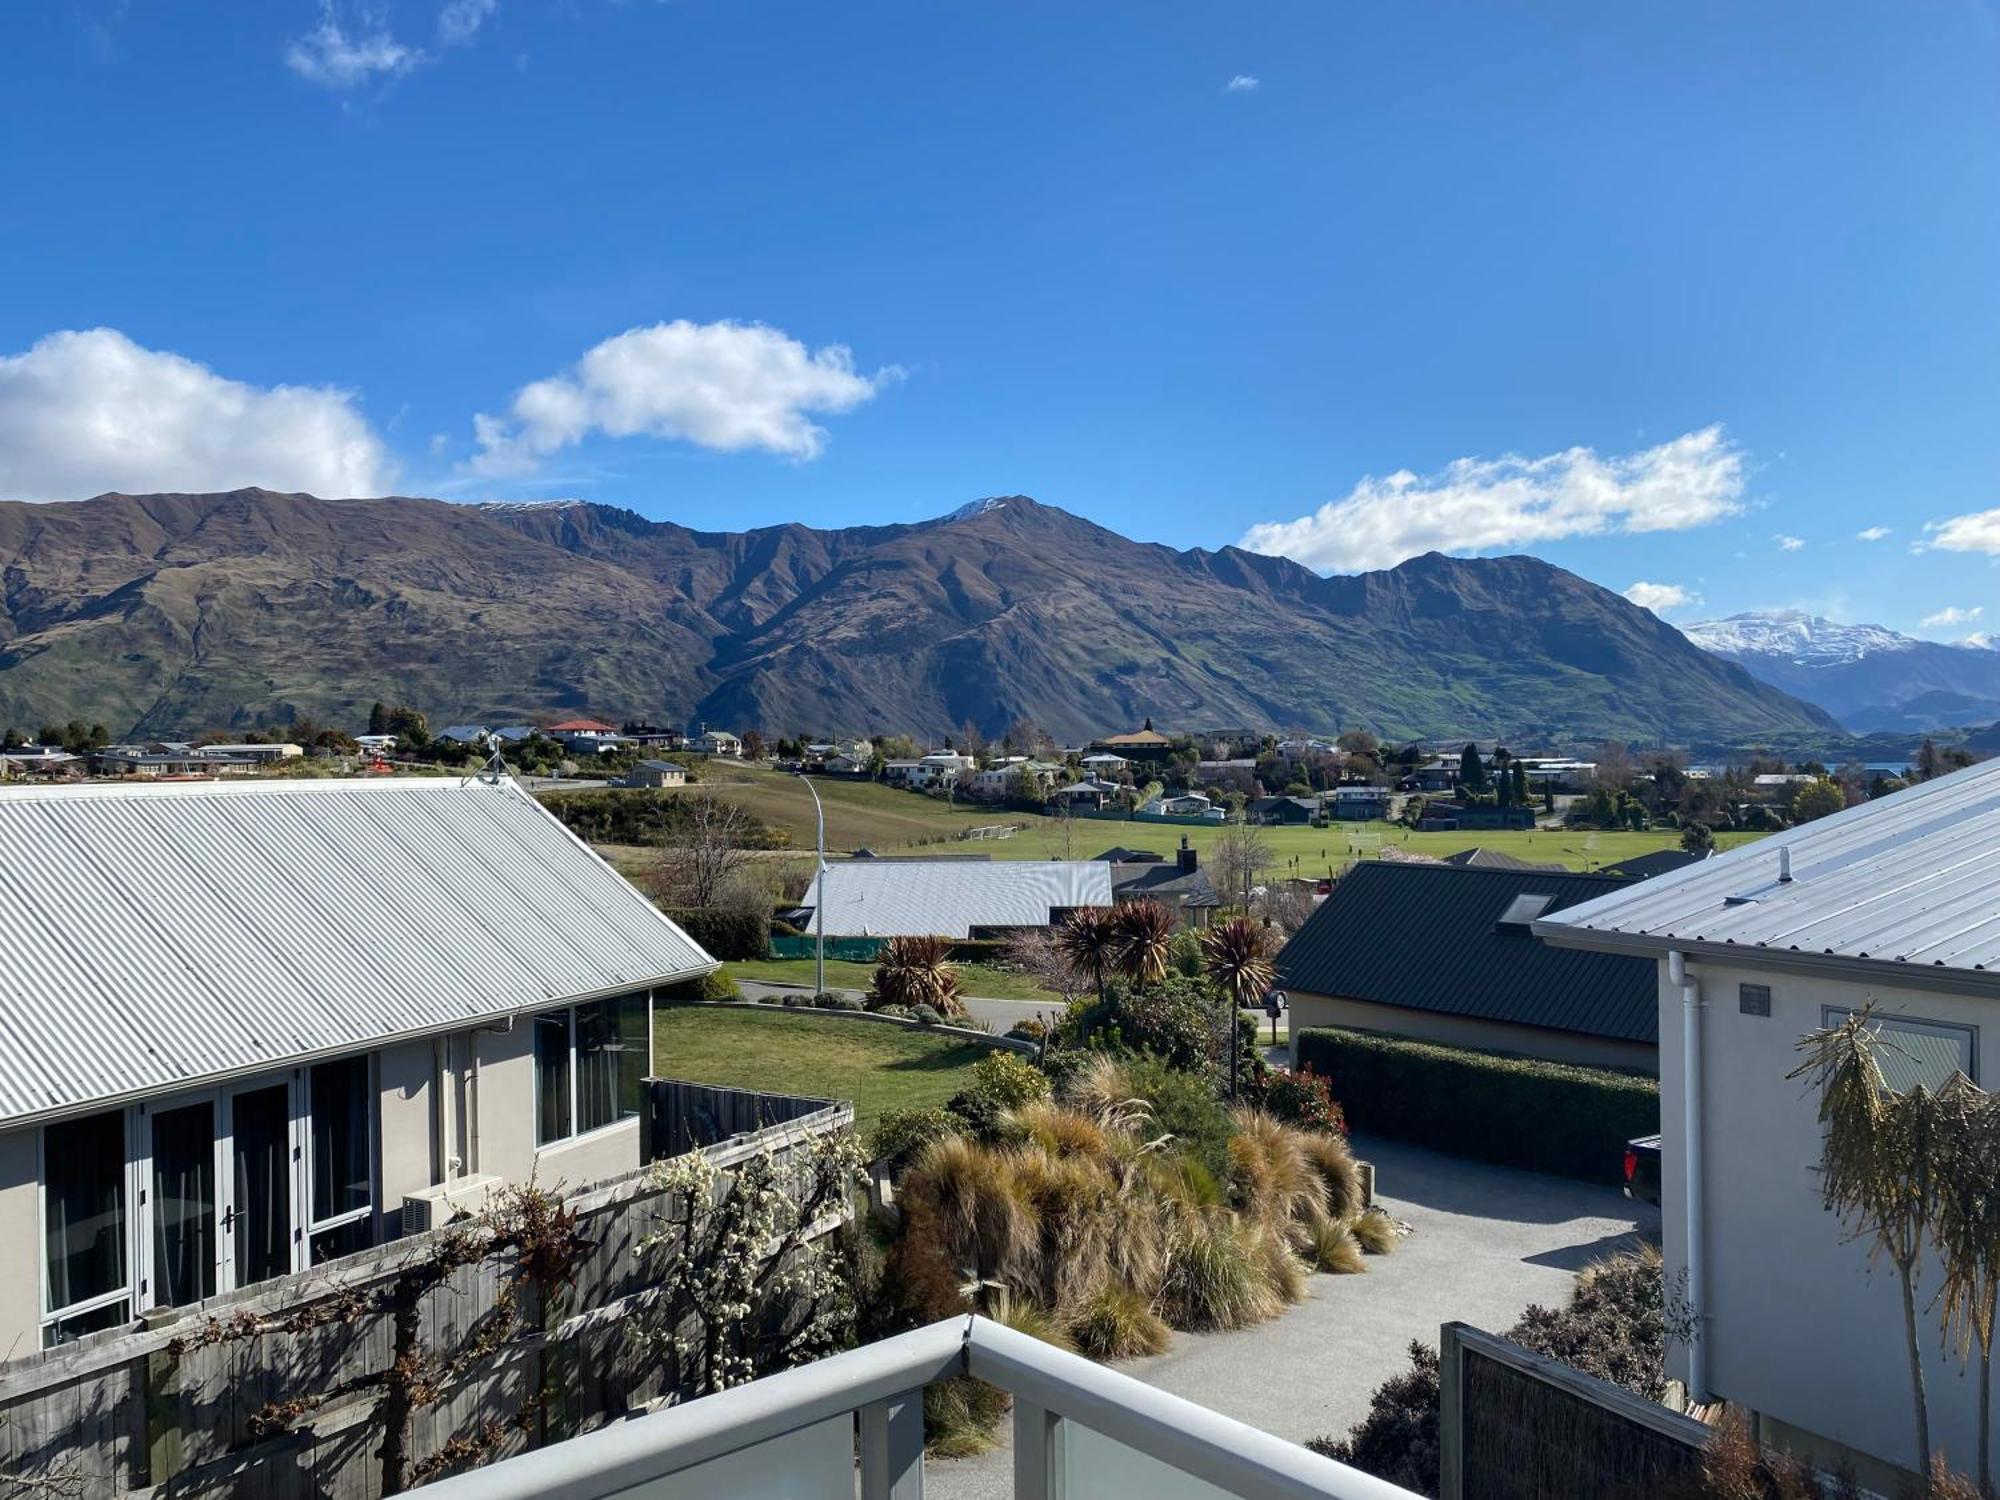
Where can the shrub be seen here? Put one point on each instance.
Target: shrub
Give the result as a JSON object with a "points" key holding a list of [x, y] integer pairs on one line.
{"points": [[1034, 1029], [1398, 1439], [901, 1134], [1118, 1323], [1304, 1099], [1215, 1276], [798, 1002], [916, 971], [834, 1000], [978, 950], [900, 1012], [1376, 1232], [1183, 1106], [1173, 1020], [714, 985], [725, 933], [1518, 1111], [1333, 1159], [1332, 1247], [998, 1083], [927, 1015]]}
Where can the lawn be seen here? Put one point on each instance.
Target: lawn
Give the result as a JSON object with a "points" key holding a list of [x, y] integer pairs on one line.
{"points": [[974, 979], [874, 1067], [888, 820]]}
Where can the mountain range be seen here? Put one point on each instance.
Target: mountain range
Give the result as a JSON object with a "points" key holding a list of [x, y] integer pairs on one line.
{"points": [[172, 614], [1873, 680]]}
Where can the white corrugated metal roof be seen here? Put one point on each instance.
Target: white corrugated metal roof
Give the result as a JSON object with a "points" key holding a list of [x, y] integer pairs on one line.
{"points": [[1907, 883], [949, 897], [157, 936]]}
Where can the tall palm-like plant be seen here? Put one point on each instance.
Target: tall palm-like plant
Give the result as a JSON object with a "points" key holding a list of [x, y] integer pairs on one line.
{"points": [[1090, 940], [1967, 1232], [1236, 957], [1146, 941], [916, 971], [1878, 1170]]}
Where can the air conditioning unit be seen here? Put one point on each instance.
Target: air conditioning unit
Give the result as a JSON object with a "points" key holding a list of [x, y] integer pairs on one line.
{"points": [[436, 1206]]}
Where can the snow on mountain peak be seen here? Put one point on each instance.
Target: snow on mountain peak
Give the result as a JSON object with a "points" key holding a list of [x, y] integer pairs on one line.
{"points": [[1804, 639]]}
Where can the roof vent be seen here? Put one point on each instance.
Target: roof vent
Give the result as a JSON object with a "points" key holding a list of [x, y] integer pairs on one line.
{"points": [[1523, 910], [1784, 864]]}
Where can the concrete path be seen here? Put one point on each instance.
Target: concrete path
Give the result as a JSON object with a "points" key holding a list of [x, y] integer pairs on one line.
{"points": [[1487, 1242]]}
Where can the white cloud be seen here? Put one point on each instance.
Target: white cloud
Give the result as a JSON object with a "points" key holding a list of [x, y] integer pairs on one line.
{"points": [[1977, 532], [1659, 597], [1978, 639], [1788, 543], [86, 412], [1242, 83], [460, 20], [1872, 534], [727, 386], [1479, 503], [1951, 614], [333, 57]]}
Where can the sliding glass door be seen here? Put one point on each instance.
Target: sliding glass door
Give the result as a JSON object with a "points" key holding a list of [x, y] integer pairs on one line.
{"points": [[259, 1218], [187, 1251]]}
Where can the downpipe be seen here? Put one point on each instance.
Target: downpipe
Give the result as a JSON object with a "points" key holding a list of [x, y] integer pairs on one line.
{"points": [[1693, 1218]]}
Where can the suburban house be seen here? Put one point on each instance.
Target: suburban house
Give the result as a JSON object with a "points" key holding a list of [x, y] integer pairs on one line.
{"points": [[1493, 859], [653, 737], [1146, 743], [1085, 796], [1434, 779], [376, 744], [584, 736], [140, 762], [998, 779], [1103, 763], [262, 755], [1657, 862], [1282, 811], [955, 898], [44, 761], [1894, 903], [716, 742], [844, 765], [1186, 805], [255, 1027], [1438, 953], [1179, 884], [1358, 803], [469, 735], [656, 773]]}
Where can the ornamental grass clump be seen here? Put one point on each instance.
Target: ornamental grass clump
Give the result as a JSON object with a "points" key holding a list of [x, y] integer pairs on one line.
{"points": [[916, 972]]}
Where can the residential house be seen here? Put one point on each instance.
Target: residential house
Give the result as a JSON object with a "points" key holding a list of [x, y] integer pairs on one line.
{"points": [[1493, 859], [718, 742], [953, 898], [1447, 817], [1282, 811], [1559, 775], [1185, 805], [652, 737], [1145, 743], [1179, 884], [260, 755], [939, 768], [513, 734], [585, 736], [46, 762], [844, 764], [1778, 786], [376, 744], [1439, 953], [1432, 780], [1086, 796], [1103, 763], [1658, 862], [139, 761], [469, 735], [250, 1024], [998, 780], [1889, 904], [1358, 803], [656, 774]]}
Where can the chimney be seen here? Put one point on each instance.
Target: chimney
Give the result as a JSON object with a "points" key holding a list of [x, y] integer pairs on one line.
{"points": [[1186, 858]]}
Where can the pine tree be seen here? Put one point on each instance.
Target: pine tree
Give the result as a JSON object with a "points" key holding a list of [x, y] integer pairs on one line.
{"points": [[378, 719], [1471, 770]]}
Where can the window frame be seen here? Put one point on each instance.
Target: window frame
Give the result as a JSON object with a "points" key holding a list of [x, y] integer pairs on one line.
{"points": [[47, 1318], [302, 1129], [568, 1012], [1834, 1015]]}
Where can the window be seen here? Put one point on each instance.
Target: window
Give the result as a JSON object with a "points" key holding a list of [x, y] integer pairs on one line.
{"points": [[343, 1195], [1918, 1052], [590, 1066], [83, 1221], [184, 1204]]}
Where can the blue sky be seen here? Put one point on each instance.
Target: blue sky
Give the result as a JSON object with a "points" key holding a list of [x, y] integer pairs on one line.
{"points": [[1645, 289]]}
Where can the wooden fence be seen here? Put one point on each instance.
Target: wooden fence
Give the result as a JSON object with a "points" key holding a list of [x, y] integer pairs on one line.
{"points": [[1516, 1425], [199, 1406]]}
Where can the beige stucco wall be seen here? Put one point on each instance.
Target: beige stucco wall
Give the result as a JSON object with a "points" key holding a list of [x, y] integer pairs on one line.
{"points": [[1797, 1327], [1308, 1010], [404, 1126], [20, 1245], [506, 1117]]}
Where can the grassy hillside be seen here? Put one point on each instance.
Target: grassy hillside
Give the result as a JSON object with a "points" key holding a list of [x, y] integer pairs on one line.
{"points": [[888, 821]]}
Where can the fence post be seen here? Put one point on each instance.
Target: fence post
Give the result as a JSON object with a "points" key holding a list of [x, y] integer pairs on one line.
{"points": [[1451, 1413], [892, 1448], [159, 1374]]}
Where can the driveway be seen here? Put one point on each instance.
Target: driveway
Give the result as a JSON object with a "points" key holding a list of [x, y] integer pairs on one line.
{"points": [[1486, 1242]]}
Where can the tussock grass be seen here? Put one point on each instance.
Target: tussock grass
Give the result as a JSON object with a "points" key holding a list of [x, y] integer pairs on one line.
{"points": [[1119, 1323], [1333, 1159], [1377, 1232]]}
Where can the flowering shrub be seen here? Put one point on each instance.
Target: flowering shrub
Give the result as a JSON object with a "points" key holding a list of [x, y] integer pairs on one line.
{"points": [[1304, 1099]]}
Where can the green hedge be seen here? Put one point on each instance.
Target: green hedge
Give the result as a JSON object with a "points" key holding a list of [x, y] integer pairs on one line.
{"points": [[1518, 1111], [724, 934], [978, 950]]}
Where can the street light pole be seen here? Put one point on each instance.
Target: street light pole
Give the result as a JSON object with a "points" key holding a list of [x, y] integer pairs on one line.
{"points": [[819, 906]]}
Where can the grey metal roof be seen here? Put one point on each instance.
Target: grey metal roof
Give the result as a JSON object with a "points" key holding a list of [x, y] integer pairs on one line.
{"points": [[1430, 937], [1906, 886], [949, 897], [159, 936]]}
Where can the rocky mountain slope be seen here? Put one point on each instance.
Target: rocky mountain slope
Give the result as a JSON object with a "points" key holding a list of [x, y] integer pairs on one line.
{"points": [[1869, 678], [175, 613]]}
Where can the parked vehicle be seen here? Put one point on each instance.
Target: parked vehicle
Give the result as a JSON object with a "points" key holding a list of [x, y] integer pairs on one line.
{"points": [[1642, 1169]]}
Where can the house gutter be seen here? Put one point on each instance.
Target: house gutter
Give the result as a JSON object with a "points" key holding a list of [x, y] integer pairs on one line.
{"points": [[1692, 1173]]}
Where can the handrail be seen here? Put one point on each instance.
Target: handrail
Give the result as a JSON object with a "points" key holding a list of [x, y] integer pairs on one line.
{"points": [[1205, 1444]]}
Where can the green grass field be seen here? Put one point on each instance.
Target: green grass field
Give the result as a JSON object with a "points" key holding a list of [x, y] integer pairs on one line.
{"points": [[888, 820], [873, 1067], [973, 979]]}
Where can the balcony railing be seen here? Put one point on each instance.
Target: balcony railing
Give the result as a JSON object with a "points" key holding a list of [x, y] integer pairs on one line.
{"points": [[1080, 1430]]}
